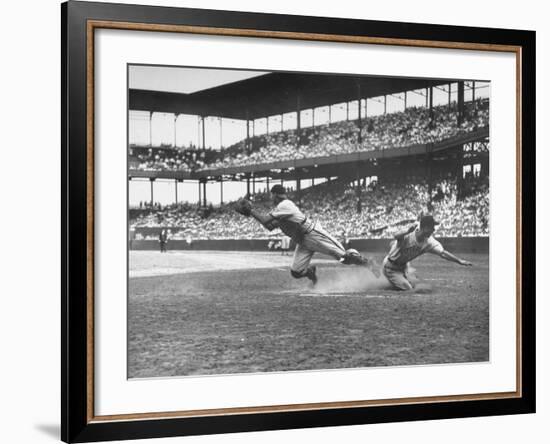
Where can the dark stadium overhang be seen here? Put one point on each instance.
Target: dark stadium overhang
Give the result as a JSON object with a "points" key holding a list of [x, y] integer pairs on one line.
{"points": [[274, 94], [315, 166]]}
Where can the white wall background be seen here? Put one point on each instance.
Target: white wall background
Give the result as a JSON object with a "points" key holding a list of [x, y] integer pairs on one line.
{"points": [[30, 221]]}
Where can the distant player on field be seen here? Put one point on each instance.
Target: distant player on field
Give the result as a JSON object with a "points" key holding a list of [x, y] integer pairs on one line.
{"points": [[407, 246], [163, 239], [308, 235], [285, 245]]}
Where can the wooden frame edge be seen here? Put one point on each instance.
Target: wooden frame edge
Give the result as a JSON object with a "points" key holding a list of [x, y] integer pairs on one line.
{"points": [[90, 208], [236, 32], [91, 25], [519, 223], [302, 407]]}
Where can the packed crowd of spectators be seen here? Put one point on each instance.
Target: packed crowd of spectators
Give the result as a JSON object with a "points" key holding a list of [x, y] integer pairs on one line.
{"points": [[376, 211], [386, 131], [169, 158]]}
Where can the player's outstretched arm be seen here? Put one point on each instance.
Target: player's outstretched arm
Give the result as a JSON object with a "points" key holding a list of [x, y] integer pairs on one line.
{"points": [[451, 257]]}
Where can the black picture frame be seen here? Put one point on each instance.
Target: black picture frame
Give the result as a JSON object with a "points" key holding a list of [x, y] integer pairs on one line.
{"points": [[77, 423]]}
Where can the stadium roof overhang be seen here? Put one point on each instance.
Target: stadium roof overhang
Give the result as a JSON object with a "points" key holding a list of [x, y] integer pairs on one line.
{"points": [[274, 94]]}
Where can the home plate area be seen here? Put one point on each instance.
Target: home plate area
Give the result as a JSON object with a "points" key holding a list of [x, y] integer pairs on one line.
{"points": [[199, 313]]}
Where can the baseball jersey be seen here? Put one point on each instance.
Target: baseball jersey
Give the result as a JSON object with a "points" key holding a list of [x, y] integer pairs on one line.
{"points": [[291, 220], [409, 248]]}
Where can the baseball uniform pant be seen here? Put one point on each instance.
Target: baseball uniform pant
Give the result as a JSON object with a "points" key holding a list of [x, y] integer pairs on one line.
{"points": [[316, 241], [397, 277]]}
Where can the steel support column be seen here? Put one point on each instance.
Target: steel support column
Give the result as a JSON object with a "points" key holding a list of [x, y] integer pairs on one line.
{"points": [[359, 123], [203, 135], [221, 135], [431, 106], [298, 121], [175, 130], [151, 128], [460, 102], [247, 134], [198, 132]]}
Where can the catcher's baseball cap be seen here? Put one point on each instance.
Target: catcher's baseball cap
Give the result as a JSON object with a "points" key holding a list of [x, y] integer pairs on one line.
{"points": [[427, 221], [278, 189]]}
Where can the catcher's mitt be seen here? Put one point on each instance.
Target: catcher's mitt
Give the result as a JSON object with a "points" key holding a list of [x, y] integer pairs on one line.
{"points": [[243, 207]]}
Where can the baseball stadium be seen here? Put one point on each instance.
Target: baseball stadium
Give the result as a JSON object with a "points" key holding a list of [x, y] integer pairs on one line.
{"points": [[211, 291]]}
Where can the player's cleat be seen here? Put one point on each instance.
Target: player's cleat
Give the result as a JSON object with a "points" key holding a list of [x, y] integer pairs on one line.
{"points": [[311, 274]]}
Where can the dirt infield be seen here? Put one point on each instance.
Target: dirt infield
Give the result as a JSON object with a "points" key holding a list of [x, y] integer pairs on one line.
{"points": [[193, 313]]}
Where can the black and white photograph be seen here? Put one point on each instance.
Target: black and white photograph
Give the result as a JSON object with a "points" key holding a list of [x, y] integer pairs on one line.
{"points": [[286, 221], [264, 222]]}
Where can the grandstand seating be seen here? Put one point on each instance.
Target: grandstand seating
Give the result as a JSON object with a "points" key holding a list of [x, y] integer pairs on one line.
{"points": [[377, 211], [386, 131], [168, 158]]}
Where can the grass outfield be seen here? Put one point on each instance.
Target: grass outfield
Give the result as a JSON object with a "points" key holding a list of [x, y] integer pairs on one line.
{"points": [[249, 315]]}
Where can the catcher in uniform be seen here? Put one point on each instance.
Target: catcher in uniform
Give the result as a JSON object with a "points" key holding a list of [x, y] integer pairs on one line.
{"points": [[308, 235], [407, 246]]}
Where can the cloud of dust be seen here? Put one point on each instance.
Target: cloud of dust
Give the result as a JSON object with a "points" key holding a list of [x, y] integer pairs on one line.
{"points": [[357, 279], [351, 280]]}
